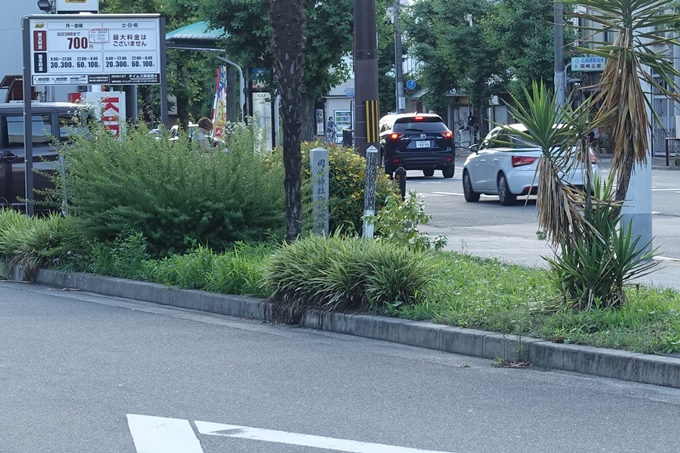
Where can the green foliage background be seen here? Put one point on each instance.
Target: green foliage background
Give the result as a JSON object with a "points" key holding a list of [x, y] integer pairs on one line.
{"points": [[347, 179], [173, 193]]}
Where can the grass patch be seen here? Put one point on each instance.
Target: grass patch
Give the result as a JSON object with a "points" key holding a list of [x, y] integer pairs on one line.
{"points": [[357, 274], [451, 288]]}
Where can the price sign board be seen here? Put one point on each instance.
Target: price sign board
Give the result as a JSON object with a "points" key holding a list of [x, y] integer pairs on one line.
{"points": [[101, 49]]}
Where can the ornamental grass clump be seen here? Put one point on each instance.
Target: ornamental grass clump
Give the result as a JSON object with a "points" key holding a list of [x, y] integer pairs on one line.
{"points": [[346, 274], [32, 243]]}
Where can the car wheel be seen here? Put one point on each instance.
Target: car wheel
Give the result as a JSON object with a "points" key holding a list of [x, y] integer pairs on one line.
{"points": [[447, 171], [428, 172], [470, 195], [506, 197]]}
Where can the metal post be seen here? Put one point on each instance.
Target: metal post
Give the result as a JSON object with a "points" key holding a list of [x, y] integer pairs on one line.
{"points": [[28, 116], [559, 56], [400, 178], [398, 66], [369, 193], [164, 76]]}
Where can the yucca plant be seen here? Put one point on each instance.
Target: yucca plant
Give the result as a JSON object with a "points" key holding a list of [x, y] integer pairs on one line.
{"points": [[593, 266], [593, 257], [645, 34]]}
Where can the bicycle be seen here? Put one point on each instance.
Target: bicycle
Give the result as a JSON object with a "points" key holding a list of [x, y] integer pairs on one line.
{"points": [[331, 137]]}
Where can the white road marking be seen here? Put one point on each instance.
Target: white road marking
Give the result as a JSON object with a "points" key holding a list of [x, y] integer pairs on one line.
{"points": [[162, 435], [284, 437], [666, 190], [448, 193]]}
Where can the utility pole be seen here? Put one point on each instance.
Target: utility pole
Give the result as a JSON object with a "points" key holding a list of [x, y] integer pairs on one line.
{"points": [[365, 75], [398, 65]]}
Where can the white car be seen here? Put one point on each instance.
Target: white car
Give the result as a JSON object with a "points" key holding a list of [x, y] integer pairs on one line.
{"points": [[505, 165]]}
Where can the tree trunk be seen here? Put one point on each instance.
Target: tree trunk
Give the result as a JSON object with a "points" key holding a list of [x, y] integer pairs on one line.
{"points": [[308, 119], [287, 18]]}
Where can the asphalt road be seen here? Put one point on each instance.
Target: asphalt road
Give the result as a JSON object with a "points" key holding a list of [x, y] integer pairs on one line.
{"points": [[452, 215], [85, 373]]}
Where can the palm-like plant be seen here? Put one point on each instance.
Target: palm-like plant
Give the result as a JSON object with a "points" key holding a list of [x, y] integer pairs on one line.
{"points": [[645, 31], [593, 258]]}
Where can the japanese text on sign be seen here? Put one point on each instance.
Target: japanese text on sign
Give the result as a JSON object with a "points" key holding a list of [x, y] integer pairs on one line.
{"points": [[99, 49]]}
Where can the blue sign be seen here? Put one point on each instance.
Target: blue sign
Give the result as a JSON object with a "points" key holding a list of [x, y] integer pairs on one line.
{"points": [[349, 92], [411, 84]]}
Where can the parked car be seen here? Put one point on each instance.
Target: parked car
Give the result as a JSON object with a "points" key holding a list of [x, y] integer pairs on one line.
{"points": [[505, 165], [50, 121], [416, 141], [172, 133]]}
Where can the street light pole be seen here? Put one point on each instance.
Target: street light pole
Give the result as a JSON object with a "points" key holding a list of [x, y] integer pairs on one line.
{"points": [[560, 79], [398, 66]]}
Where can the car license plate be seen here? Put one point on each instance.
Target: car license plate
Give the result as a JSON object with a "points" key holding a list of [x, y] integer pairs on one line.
{"points": [[423, 144]]}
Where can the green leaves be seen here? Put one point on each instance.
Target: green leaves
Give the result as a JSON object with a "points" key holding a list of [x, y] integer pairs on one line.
{"points": [[174, 194], [398, 223], [346, 274]]}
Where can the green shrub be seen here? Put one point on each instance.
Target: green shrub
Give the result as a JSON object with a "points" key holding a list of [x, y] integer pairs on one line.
{"points": [[175, 194], [126, 256], [600, 257], [398, 223], [235, 271], [13, 226], [31, 243], [346, 274], [347, 180]]}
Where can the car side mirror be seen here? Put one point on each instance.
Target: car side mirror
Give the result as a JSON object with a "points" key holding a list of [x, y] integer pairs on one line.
{"points": [[474, 148]]}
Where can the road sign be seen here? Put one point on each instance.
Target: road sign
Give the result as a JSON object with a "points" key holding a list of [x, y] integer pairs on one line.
{"points": [[349, 92], [411, 84], [101, 49], [587, 64]]}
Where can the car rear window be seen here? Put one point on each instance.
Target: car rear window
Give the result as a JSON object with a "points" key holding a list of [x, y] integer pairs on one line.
{"points": [[42, 130], [427, 124]]}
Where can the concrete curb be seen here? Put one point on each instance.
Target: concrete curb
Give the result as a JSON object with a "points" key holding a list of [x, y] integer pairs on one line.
{"points": [[627, 366]]}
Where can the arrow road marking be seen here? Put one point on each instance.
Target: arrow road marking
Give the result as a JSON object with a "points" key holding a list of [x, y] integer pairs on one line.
{"points": [[284, 437], [162, 435]]}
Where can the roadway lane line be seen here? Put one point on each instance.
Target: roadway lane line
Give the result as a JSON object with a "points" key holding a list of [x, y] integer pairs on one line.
{"points": [[162, 435], [284, 437]]}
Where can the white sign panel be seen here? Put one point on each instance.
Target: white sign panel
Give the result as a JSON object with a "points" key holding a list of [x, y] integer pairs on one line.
{"points": [[96, 49], [586, 64], [77, 6]]}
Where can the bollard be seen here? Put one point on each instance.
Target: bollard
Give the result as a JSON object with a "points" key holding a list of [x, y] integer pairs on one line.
{"points": [[400, 177]]}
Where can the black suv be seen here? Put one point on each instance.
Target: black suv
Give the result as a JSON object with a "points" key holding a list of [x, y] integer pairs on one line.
{"points": [[51, 121], [416, 141]]}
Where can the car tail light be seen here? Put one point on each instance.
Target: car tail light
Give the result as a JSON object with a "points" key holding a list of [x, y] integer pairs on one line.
{"points": [[418, 118], [518, 161], [593, 159], [447, 134], [396, 136]]}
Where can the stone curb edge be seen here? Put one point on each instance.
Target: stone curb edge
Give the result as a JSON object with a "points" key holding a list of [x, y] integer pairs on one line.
{"points": [[623, 365]]}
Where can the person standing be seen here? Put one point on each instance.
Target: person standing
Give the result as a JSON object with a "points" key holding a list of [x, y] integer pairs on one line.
{"points": [[330, 130], [205, 126]]}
